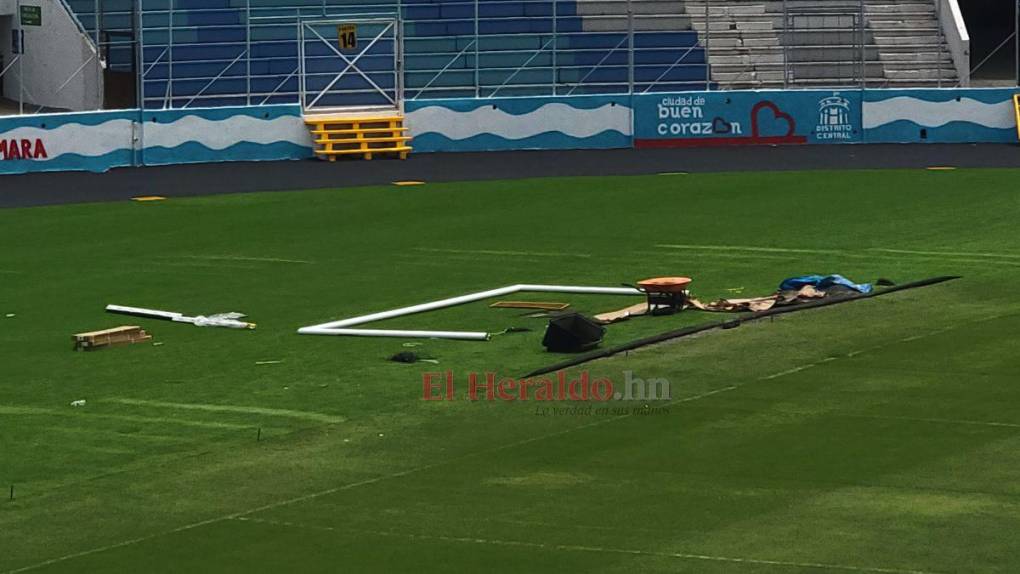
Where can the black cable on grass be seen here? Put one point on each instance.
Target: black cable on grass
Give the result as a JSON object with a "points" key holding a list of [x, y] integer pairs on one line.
{"points": [[731, 323], [513, 330]]}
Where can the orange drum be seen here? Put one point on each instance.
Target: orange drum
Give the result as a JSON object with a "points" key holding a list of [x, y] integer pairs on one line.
{"points": [[665, 284]]}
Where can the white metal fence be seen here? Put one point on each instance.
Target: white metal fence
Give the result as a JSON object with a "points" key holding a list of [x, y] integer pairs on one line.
{"points": [[169, 54]]}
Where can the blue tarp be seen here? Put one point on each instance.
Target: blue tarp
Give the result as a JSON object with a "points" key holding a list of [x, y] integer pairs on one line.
{"points": [[823, 282]]}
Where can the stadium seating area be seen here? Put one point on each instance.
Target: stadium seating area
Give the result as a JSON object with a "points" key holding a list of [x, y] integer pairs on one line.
{"points": [[821, 43], [224, 52]]}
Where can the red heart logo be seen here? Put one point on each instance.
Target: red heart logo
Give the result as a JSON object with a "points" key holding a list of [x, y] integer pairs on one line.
{"points": [[778, 114]]}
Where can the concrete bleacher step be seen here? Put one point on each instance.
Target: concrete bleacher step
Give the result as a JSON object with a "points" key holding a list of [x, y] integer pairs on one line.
{"points": [[716, 8], [906, 39], [908, 36], [915, 71], [641, 15], [913, 58], [894, 7], [619, 7], [664, 23], [739, 25], [748, 43], [902, 41]]}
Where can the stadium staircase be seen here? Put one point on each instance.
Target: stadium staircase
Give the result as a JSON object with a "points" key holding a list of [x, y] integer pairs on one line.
{"points": [[749, 48], [910, 48]]}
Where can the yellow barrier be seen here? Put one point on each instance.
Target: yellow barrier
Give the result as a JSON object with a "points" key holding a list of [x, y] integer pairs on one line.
{"points": [[1016, 109], [365, 136]]}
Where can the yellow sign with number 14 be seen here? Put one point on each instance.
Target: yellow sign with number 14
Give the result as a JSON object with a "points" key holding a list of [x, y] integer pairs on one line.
{"points": [[348, 34]]}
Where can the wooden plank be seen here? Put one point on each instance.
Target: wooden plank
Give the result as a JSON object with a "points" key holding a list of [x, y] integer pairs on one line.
{"points": [[360, 151], [114, 330], [379, 136], [117, 336], [543, 305], [359, 131], [369, 125], [348, 119], [362, 141], [622, 314]]}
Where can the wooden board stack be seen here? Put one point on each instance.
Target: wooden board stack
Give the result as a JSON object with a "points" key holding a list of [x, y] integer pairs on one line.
{"points": [[127, 335]]}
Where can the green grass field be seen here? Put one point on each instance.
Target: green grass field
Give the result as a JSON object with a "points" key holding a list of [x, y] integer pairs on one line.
{"points": [[876, 436]]}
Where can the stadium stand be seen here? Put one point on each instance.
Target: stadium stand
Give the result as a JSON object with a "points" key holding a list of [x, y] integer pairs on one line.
{"points": [[820, 43], [230, 52], [523, 47]]}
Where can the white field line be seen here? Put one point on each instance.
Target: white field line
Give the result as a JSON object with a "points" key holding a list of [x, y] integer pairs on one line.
{"points": [[599, 549], [883, 345], [203, 265], [748, 251], [501, 253], [788, 372], [993, 424], [515, 263], [575, 526], [341, 488], [694, 254], [349, 486], [903, 340], [107, 547], [949, 253], [33, 411], [132, 436], [703, 395], [980, 262], [317, 417], [239, 258], [798, 369], [932, 420]]}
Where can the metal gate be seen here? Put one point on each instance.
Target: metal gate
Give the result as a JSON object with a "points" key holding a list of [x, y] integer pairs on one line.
{"points": [[827, 47], [350, 63]]}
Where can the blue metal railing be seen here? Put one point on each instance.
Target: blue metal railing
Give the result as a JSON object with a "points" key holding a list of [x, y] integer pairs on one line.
{"points": [[230, 52]]}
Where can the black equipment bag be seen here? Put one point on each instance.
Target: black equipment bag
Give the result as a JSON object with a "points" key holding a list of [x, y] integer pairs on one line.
{"points": [[572, 333]]}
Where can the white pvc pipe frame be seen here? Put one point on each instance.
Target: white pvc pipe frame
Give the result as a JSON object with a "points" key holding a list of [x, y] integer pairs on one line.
{"points": [[341, 327]]}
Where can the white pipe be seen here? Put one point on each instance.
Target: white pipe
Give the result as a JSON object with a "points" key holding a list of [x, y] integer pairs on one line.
{"points": [[421, 308], [461, 335], [138, 311], [225, 320], [584, 290], [337, 327]]}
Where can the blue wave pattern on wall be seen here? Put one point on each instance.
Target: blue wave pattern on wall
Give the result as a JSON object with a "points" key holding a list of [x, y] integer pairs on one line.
{"points": [[583, 122], [68, 162], [192, 152], [547, 141], [940, 116], [104, 140]]}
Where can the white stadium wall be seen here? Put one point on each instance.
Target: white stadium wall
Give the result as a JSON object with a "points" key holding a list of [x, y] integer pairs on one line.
{"points": [[60, 68], [103, 140]]}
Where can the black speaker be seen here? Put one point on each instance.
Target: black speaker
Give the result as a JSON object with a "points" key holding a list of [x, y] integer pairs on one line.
{"points": [[572, 333]]}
